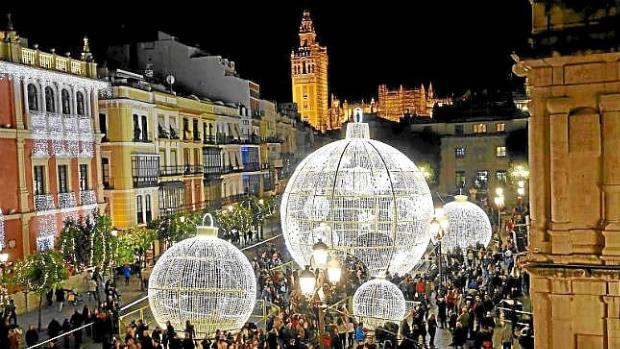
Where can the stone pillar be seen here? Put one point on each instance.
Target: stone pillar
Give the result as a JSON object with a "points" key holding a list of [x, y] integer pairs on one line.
{"points": [[610, 108]]}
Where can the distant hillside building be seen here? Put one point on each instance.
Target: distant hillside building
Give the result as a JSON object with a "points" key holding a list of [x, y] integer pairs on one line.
{"points": [[396, 103]]}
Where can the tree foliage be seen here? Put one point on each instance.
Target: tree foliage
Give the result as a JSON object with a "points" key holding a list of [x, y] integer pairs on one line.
{"points": [[40, 272], [86, 242]]}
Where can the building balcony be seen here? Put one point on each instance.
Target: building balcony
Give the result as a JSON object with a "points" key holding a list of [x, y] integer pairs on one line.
{"points": [[66, 200], [52, 61], [44, 202], [272, 139], [226, 139], [169, 171], [212, 170], [231, 199], [209, 139], [144, 181], [88, 197], [191, 170], [252, 139], [251, 167], [230, 169]]}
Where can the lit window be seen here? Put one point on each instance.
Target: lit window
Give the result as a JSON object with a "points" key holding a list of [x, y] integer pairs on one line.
{"points": [[480, 128], [500, 152], [482, 179], [459, 179], [500, 127], [501, 176], [459, 152]]}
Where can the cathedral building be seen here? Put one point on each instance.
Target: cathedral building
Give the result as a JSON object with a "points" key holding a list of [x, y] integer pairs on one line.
{"points": [[309, 77], [396, 103]]}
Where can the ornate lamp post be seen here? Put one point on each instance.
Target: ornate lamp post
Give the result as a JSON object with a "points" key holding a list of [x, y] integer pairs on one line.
{"points": [[499, 204], [439, 226], [308, 278]]}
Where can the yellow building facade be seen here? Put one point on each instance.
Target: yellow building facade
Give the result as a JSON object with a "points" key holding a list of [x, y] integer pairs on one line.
{"points": [[309, 77]]}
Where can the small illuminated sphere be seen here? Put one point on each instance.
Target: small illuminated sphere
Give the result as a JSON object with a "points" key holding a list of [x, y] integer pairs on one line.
{"points": [[378, 301], [205, 280], [362, 198], [468, 225]]}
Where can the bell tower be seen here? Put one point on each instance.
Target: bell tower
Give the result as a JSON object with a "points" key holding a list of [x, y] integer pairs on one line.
{"points": [[309, 76]]}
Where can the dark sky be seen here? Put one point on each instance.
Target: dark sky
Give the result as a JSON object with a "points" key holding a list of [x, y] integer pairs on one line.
{"points": [[456, 44]]}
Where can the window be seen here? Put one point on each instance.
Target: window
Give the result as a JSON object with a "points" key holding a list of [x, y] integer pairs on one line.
{"points": [[49, 100], [33, 98], [105, 172], [147, 204], [480, 128], [39, 180], [139, 210], [83, 177], [459, 152], [482, 179], [103, 124], [66, 102], [145, 129], [501, 176], [500, 152], [459, 179], [136, 127], [458, 130], [500, 127], [145, 170], [62, 179], [79, 98]]}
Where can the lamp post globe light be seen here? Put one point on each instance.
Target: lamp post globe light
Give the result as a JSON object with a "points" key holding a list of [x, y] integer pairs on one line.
{"points": [[362, 198], [468, 225], [205, 280], [378, 301]]}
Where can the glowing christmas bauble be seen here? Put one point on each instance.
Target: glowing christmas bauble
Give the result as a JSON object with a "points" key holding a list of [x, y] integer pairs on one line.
{"points": [[361, 197], [468, 225], [378, 301], [205, 280]]}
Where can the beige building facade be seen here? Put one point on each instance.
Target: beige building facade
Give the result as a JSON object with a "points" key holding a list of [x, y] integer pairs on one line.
{"points": [[573, 79]]}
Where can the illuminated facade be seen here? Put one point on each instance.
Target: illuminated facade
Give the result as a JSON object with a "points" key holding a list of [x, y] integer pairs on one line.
{"points": [[574, 135], [309, 77], [394, 104], [50, 142]]}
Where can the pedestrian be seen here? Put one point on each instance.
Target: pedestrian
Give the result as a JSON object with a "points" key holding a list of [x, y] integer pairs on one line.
{"points": [[190, 331], [10, 311], [32, 336], [66, 328], [15, 336], [505, 334], [126, 273], [92, 290], [360, 336], [53, 328], [432, 329], [60, 298]]}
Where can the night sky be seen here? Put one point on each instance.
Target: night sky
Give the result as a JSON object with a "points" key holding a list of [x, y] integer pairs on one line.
{"points": [[456, 44]]}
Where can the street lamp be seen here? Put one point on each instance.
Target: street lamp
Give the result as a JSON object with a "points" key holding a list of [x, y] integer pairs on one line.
{"points": [[320, 252], [307, 281], [4, 257], [334, 271], [439, 226], [499, 203]]}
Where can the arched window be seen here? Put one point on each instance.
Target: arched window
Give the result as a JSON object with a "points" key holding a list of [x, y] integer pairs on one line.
{"points": [[33, 97], [66, 102], [50, 106], [79, 98]]}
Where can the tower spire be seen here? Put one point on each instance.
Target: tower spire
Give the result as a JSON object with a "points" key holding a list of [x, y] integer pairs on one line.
{"points": [[86, 54], [9, 22], [307, 35]]}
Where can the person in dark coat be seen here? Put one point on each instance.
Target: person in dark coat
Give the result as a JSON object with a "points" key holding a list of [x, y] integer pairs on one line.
{"points": [[432, 329], [60, 298], [66, 328], [32, 336], [76, 322], [53, 328], [442, 312], [4, 333]]}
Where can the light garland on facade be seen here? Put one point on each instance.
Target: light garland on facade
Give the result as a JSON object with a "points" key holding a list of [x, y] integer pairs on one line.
{"points": [[27, 72], [205, 280], [2, 231], [88, 197], [66, 200], [361, 197], [46, 232], [378, 301], [44, 202], [468, 225], [65, 136]]}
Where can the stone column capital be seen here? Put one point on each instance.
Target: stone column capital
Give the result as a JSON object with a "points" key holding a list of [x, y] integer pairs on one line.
{"points": [[609, 102], [559, 105]]}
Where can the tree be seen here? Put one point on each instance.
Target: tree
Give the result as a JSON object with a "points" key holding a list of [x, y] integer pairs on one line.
{"points": [[87, 242], [40, 273]]}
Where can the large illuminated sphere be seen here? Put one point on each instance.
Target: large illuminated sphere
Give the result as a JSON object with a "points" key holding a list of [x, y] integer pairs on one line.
{"points": [[468, 225], [205, 280], [378, 301], [361, 197]]}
